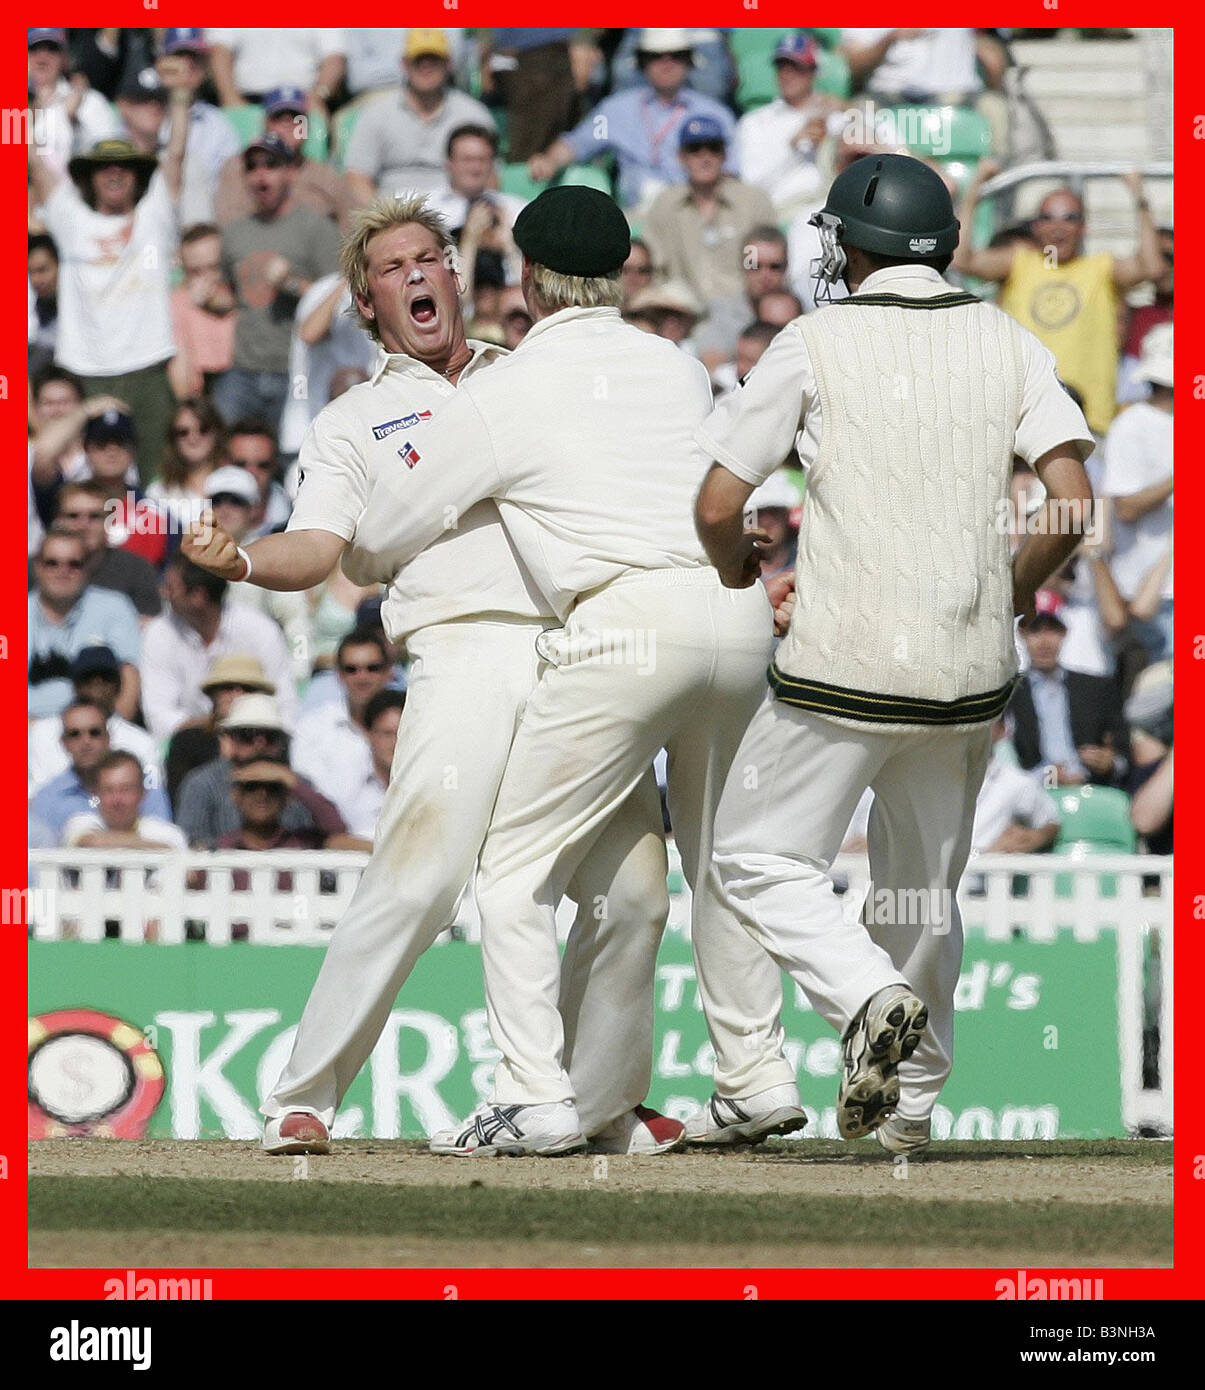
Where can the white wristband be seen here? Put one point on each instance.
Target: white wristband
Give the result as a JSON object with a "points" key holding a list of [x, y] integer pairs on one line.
{"points": [[246, 559]]}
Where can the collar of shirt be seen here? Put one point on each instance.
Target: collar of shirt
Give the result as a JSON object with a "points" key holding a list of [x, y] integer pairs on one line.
{"points": [[399, 364], [1055, 677], [917, 281], [603, 313]]}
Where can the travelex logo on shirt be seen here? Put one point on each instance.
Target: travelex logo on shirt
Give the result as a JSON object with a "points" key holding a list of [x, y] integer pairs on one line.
{"points": [[403, 422]]}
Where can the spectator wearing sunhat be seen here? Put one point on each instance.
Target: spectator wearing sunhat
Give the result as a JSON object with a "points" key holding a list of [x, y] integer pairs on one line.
{"points": [[774, 507], [1138, 480], [252, 732], [1068, 728], [640, 126], [95, 675], [315, 184], [195, 742], [783, 147], [270, 258], [670, 311], [697, 232], [400, 143], [234, 497], [71, 116], [114, 221]]}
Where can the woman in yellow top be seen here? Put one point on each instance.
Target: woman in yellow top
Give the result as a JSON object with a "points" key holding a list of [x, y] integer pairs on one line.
{"points": [[1067, 299]]}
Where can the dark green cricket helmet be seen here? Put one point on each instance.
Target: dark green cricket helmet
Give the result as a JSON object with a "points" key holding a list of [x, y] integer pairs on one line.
{"points": [[890, 205]]}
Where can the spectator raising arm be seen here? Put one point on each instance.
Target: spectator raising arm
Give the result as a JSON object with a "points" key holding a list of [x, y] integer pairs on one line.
{"points": [[1147, 263], [221, 69], [171, 161], [1149, 599], [992, 263]]}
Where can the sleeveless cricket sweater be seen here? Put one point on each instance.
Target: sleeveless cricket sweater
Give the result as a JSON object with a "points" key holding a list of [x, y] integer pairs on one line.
{"points": [[903, 613]]}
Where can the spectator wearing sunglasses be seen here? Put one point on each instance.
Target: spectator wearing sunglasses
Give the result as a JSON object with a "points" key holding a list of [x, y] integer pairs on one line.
{"points": [[195, 447], [67, 614], [251, 732], [253, 446], [82, 510], [697, 232], [1068, 298], [332, 744], [86, 742], [95, 678]]}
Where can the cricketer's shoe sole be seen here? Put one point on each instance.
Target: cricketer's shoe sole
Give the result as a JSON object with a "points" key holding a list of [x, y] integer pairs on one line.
{"points": [[885, 1031], [514, 1149]]}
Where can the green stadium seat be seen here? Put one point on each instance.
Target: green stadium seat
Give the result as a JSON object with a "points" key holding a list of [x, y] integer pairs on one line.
{"points": [[832, 75], [515, 179], [1096, 820], [943, 132]]}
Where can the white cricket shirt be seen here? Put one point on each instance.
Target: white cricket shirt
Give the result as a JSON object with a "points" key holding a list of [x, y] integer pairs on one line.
{"points": [[584, 435], [472, 570]]}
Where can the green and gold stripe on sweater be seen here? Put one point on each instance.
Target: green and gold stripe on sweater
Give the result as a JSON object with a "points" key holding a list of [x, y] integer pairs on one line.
{"points": [[869, 708]]}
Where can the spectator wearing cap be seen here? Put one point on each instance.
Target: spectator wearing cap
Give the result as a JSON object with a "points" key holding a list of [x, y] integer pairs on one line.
{"points": [[640, 126], [270, 258], [114, 221], [132, 521], [43, 266], [1149, 710], [195, 742], [234, 498], [95, 678], [119, 822], [60, 412], [316, 185], [248, 63], [400, 143], [1138, 482], [1013, 814], [67, 614], [212, 139], [82, 508], [74, 116], [331, 747], [198, 626], [251, 444], [203, 318], [782, 148], [1068, 299], [374, 59], [697, 231], [1067, 727], [71, 792], [142, 105], [251, 733]]}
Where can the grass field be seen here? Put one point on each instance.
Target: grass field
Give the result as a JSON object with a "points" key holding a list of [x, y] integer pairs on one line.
{"points": [[812, 1203]]}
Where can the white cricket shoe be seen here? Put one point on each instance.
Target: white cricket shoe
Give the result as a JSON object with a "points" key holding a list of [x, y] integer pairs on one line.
{"points": [[642, 1130], [297, 1132], [884, 1032], [514, 1130], [748, 1120], [900, 1136]]}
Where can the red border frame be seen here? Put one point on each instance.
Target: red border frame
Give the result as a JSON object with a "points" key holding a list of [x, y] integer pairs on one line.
{"points": [[1183, 1281]]}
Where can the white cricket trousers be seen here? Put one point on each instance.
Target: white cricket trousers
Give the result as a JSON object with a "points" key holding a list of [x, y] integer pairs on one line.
{"points": [[794, 786], [469, 681], [663, 658]]}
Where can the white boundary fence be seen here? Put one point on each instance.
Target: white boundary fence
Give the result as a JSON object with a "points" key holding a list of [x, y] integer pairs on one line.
{"points": [[294, 897]]}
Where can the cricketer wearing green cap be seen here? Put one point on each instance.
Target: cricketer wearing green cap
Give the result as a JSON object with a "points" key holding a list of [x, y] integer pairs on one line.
{"points": [[584, 436]]}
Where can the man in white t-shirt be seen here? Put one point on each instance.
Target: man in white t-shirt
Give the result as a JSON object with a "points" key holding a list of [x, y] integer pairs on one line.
{"points": [[1138, 478], [247, 63], [114, 221], [116, 824], [913, 65], [69, 116]]}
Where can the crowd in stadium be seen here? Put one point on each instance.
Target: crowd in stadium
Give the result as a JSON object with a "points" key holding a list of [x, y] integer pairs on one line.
{"points": [[187, 321]]}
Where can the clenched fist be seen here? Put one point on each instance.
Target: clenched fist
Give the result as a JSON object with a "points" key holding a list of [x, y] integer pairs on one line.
{"points": [[208, 546]]}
